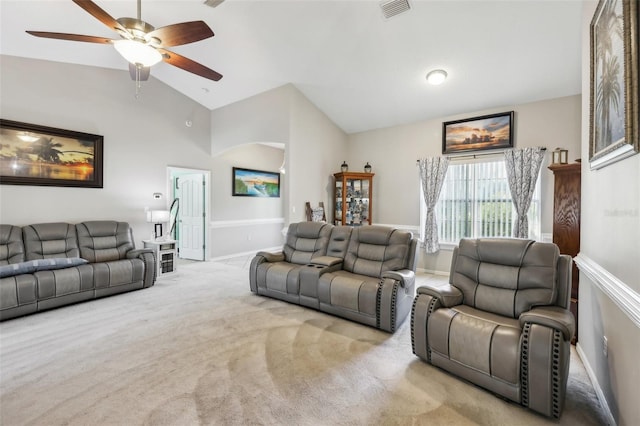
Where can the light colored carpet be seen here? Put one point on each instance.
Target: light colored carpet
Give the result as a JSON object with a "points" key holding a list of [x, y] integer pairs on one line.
{"points": [[199, 348]]}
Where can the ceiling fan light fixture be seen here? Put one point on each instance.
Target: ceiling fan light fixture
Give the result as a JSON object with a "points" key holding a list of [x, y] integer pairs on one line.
{"points": [[137, 52], [436, 77]]}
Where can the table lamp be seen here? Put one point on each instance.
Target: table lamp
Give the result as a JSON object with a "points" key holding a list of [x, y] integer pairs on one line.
{"points": [[157, 217]]}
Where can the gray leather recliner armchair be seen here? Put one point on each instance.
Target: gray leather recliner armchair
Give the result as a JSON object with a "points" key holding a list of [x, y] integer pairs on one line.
{"points": [[502, 322]]}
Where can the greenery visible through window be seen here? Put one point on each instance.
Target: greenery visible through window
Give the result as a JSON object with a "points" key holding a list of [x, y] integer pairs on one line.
{"points": [[475, 202]]}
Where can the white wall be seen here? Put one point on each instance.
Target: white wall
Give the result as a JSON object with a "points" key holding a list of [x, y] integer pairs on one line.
{"points": [[260, 118], [314, 145], [141, 138], [393, 153], [609, 261], [316, 150], [245, 224]]}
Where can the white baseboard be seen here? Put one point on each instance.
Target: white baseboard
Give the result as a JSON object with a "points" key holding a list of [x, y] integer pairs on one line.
{"points": [[596, 385], [432, 271], [245, 222], [246, 253]]}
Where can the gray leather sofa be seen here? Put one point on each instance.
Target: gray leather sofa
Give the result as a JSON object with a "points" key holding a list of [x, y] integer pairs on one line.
{"points": [[47, 265], [502, 322], [365, 274]]}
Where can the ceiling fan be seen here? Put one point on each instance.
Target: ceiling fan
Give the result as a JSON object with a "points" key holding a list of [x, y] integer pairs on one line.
{"points": [[141, 44]]}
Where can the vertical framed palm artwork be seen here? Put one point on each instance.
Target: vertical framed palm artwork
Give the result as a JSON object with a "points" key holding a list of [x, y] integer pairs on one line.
{"points": [[45, 156], [614, 91]]}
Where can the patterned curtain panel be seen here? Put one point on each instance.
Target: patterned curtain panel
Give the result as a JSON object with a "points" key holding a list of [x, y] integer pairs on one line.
{"points": [[432, 173], [523, 167]]}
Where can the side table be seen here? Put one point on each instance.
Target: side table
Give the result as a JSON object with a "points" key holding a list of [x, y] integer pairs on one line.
{"points": [[166, 255]]}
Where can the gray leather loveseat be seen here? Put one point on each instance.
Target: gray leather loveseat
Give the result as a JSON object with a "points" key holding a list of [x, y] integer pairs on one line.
{"points": [[47, 265], [365, 274], [503, 322]]}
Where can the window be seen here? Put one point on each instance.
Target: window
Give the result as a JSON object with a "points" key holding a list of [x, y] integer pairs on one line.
{"points": [[475, 202]]}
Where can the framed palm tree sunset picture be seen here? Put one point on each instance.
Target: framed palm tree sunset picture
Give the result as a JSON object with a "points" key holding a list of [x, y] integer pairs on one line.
{"points": [[614, 88], [45, 156]]}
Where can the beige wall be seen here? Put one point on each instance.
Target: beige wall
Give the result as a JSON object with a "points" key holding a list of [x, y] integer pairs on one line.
{"points": [[315, 152], [609, 299], [245, 224], [393, 153], [141, 138], [312, 145]]}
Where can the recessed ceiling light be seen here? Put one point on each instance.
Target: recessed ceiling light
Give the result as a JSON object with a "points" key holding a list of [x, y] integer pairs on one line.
{"points": [[436, 77]]}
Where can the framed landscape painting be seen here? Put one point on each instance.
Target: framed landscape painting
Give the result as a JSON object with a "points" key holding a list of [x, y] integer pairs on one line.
{"points": [[45, 156], [482, 133], [614, 91], [255, 183]]}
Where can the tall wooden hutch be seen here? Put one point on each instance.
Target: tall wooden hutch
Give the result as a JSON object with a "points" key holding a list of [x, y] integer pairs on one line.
{"points": [[353, 198], [566, 220]]}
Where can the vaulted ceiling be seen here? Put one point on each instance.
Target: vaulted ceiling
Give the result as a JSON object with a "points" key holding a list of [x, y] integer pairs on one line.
{"points": [[362, 70]]}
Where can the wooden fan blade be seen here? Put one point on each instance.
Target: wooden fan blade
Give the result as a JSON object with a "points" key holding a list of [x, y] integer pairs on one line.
{"points": [[183, 33], [189, 65], [71, 37], [144, 72], [100, 15]]}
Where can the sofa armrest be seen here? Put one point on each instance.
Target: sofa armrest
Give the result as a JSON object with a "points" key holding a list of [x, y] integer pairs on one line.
{"points": [[148, 256], [326, 261], [406, 277], [447, 295], [395, 297], [132, 254], [271, 257], [551, 316]]}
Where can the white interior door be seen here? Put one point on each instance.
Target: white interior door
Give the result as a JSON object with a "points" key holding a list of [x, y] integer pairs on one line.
{"points": [[191, 216]]}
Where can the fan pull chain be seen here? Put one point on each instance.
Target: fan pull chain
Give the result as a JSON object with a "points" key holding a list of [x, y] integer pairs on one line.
{"points": [[138, 82]]}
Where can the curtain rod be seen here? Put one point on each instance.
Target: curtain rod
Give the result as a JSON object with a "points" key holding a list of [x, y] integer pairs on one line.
{"points": [[474, 156]]}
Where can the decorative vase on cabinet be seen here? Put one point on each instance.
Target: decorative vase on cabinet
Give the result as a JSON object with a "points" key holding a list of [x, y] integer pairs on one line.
{"points": [[353, 198]]}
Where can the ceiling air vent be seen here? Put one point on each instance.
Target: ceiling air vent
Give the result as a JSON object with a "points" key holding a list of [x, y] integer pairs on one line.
{"points": [[213, 3], [391, 8]]}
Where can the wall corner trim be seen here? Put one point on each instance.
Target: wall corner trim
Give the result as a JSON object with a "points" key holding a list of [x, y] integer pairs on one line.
{"points": [[621, 294]]}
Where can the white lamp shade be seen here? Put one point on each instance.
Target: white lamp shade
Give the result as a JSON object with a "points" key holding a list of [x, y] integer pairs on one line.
{"points": [[137, 52], [158, 216]]}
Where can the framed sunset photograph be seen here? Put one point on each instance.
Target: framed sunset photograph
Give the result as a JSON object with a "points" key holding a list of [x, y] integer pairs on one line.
{"points": [[482, 133], [45, 156]]}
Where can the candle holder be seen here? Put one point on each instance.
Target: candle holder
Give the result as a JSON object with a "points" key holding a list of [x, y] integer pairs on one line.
{"points": [[559, 156]]}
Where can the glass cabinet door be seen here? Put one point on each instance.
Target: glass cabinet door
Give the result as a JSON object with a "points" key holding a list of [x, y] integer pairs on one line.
{"points": [[338, 219], [353, 199]]}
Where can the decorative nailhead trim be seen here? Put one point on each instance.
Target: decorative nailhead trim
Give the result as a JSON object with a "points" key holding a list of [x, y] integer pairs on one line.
{"points": [[379, 303], [413, 316], [430, 310], [555, 374], [394, 300], [556, 378], [524, 371]]}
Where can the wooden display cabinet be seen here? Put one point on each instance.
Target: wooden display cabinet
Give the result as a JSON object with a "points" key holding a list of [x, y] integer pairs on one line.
{"points": [[353, 198], [566, 221]]}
